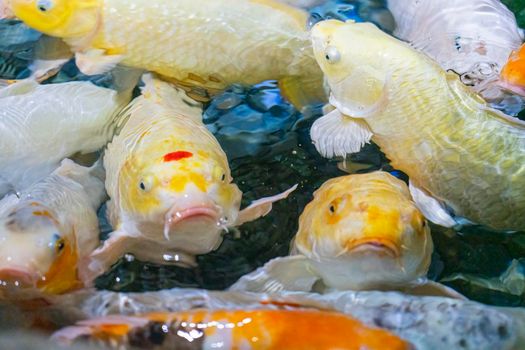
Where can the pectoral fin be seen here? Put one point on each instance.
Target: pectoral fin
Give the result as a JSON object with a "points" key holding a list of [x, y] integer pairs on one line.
{"points": [[337, 135], [430, 288], [291, 273], [95, 61], [104, 257], [431, 208], [20, 87], [50, 55], [261, 207]]}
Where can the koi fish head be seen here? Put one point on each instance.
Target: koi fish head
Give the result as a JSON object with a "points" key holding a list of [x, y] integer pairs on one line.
{"points": [[36, 252], [354, 58], [365, 225], [179, 193], [60, 18]]}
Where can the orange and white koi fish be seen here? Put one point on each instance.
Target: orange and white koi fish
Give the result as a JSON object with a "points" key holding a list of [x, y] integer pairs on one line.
{"points": [[238, 329], [513, 73], [47, 233]]}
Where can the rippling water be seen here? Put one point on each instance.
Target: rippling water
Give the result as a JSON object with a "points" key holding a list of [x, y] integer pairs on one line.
{"points": [[268, 144]]}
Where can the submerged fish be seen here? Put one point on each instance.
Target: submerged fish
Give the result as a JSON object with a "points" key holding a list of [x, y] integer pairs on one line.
{"points": [[206, 44], [47, 232], [360, 232], [474, 38], [463, 158], [42, 124], [235, 329], [513, 73], [169, 182], [426, 322]]}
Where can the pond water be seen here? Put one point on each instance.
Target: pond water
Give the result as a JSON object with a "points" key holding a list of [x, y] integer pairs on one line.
{"points": [[268, 144]]}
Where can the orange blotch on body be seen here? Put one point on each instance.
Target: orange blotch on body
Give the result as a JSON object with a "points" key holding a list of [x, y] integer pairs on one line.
{"points": [[178, 155]]}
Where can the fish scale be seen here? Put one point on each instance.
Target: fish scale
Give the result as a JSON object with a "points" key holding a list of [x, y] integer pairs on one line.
{"points": [[163, 49], [475, 160]]}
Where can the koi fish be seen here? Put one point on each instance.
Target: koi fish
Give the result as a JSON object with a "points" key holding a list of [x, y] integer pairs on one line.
{"points": [[237, 329], [474, 38], [463, 158], [169, 183], [360, 232], [47, 232], [513, 73], [42, 124], [204, 46]]}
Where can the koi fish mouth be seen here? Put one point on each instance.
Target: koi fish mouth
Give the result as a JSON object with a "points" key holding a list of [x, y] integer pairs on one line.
{"points": [[375, 246], [11, 278], [176, 216]]}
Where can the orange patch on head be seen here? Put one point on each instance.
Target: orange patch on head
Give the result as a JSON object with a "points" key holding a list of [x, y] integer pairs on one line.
{"points": [[178, 155], [514, 71]]}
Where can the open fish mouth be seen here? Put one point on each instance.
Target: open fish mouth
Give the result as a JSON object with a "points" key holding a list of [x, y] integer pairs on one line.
{"points": [[375, 246], [11, 278], [177, 216]]}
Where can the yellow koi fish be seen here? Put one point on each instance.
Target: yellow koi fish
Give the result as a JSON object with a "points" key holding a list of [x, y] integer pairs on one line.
{"points": [[204, 44], [42, 124], [236, 329], [169, 182], [360, 232], [47, 233], [464, 159]]}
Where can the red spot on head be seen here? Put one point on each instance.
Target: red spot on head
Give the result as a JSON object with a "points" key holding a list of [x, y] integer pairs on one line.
{"points": [[170, 157]]}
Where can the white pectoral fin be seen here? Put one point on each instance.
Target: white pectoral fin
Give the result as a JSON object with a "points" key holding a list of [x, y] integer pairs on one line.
{"points": [[95, 61], [425, 287], [291, 273], [105, 256], [50, 55], [431, 208], [338, 135], [261, 207]]}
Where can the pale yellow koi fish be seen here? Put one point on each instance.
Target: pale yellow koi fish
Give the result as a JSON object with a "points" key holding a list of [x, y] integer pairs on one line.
{"points": [[360, 232], [209, 44], [235, 329], [47, 233], [463, 158], [169, 182]]}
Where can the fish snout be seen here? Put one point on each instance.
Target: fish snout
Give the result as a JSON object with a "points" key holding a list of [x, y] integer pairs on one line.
{"points": [[379, 246], [18, 278]]}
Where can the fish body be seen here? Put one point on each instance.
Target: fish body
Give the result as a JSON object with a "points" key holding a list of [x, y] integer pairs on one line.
{"points": [[474, 38], [169, 183], [236, 329], [463, 158], [42, 124], [360, 232], [48, 231], [208, 44]]}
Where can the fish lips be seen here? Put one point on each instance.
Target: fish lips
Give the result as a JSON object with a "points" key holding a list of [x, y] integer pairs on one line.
{"points": [[374, 246], [178, 219], [15, 278]]}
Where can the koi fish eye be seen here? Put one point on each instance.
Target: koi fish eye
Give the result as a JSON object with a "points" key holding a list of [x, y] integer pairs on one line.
{"points": [[44, 5], [145, 185], [332, 208], [332, 55], [59, 243]]}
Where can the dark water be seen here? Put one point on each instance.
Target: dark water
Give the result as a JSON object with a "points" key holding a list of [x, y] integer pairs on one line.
{"points": [[268, 144]]}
